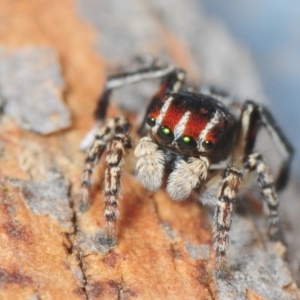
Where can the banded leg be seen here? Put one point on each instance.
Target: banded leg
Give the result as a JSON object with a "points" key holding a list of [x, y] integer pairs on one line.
{"points": [[121, 80], [174, 79], [114, 167], [254, 162], [252, 117], [231, 179], [103, 135]]}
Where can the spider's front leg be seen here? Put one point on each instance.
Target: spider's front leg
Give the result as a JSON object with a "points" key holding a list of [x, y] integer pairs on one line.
{"points": [[172, 81], [231, 179]]}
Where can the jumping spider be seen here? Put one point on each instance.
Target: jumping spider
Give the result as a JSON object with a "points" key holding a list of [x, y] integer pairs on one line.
{"points": [[192, 137]]}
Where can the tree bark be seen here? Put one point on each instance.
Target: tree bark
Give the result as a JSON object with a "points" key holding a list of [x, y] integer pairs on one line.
{"points": [[49, 247]]}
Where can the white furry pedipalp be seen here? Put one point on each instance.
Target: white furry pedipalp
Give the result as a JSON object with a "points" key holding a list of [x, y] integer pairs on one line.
{"points": [[150, 164], [186, 177]]}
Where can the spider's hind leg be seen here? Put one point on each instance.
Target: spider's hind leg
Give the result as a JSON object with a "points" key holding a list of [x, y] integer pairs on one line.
{"points": [[113, 173], [104, 134]]}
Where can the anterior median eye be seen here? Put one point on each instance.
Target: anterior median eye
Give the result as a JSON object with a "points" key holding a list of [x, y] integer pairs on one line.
{"points": [[150, 121], [186, 143], [208, 145], [165, 134], [186, 139]]}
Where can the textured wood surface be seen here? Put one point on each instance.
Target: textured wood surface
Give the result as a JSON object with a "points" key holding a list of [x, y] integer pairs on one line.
{"points": [[49, 247]]}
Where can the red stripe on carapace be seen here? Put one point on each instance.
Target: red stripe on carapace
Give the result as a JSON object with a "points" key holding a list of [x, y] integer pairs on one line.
{"points": [[172, 116], [155, 113], [212, 135], [161, 99], [196, 123]]}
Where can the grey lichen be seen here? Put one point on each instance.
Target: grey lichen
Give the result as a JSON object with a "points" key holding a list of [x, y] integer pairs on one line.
{"points": [[254, 264], [48, 197], [31, 86], [201, 251]]}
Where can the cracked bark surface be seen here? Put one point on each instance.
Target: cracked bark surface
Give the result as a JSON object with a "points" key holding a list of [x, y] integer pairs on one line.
{"points": [[49, 247]]}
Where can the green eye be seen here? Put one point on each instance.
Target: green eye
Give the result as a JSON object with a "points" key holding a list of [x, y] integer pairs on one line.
{"points": [[165, 130], [186, 143], [186, 139], [165, 134]]}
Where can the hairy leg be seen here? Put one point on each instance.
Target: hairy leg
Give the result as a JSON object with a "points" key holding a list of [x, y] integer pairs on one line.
{"points": [[254, 116], [231, 179], [255, 162], [102, 137], [113, 173]]}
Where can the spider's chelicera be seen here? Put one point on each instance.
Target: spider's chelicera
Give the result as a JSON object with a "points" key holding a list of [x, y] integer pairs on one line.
{"points": [[192, 137]]}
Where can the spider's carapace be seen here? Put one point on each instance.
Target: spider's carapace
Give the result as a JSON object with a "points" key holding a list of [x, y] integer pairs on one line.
{"points": [[193, 124]]}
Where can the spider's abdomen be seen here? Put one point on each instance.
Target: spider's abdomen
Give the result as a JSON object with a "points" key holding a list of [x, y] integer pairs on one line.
{"points": [[193, 123]]}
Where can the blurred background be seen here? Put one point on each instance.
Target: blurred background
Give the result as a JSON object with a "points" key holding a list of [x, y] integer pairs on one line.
{"points": [[271, 32]]}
